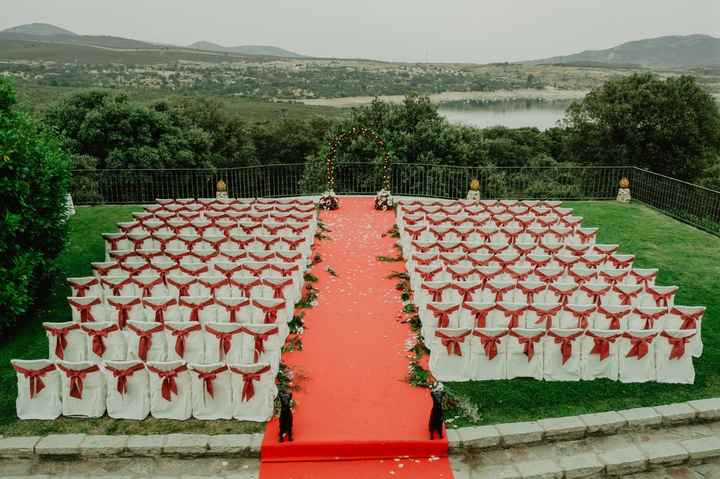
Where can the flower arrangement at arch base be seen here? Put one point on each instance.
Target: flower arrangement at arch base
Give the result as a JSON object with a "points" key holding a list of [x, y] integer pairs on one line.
{"points": [[384, 200], [329, 201]]}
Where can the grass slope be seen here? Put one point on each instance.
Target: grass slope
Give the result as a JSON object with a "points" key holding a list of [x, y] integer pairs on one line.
{"points": [[686, 257], [29, 341]]}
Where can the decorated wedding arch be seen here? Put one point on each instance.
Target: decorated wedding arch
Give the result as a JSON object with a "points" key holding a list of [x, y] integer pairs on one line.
{"points": [[329, 200]]}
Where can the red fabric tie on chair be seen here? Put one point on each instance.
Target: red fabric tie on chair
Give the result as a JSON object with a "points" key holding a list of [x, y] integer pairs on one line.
{"points": [[531, 292], [248, 391], [662, 299], [181, 336], [208, 378], [428, 275], [292, 244], [490, 343], [169, 385], [585, 237], [81, 289], [122, 376], [601, 345], [98, 337], [595, 295], [513, 314], [644, 280], [183, 288], [61, 338], [545, 315], [538, 262], [564, 295], [480, 314], [649, 318], [689, 320], [193, 272], [114, 242], [77, 378], [626, 297], [195, 308], [134, 270], [621, 263], [116, 288], [147, 287], [215, 285], [582, 316], [245, 288], [123, 310], [640, 345], [271, 312], [443, 315], [499, 291], [566, 344], [435, 293], [233, 308], [260, 339], [452, 343], [466, 292], [613, 317], [35, 377], [85, 309], [678, 344], [224, 339], [160, 309], [528, 343], [206, 257], [145, 336]]}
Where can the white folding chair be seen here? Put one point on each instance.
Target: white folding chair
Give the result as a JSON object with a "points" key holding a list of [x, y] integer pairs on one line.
{"points": [[85, 286], [525, 353], [83, 389], [562, 354], [185, 342], [450, 354], [637, 356], [254, 391], [66, 341], [212, 395], [223, 343], [122, 309], [673, 356], [159, 309], [687, 317], [39, 393], [488, 354], [170, 390], [261, 343], [146, 341], [87, 309], [128, 389], [600, 358], [105, 341]]}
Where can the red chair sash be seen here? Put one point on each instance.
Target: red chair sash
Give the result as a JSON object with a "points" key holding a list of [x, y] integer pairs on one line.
{"points": [[601, 344], [260, 339], [528, 343], [85, 309], [678, 344], [640, 345], [443, 315], [195, 308], [122, 376], [249, 379], [566, 344], [123, 310], [77, 378], [614, 317], [452, 343], [224, 339], [689, 320], [490, 343], [545, 315], [181, 335], [145, 342], [271, 312], [169, 383], [61, 338], [208, 379], [98, 337], [35, 377]]}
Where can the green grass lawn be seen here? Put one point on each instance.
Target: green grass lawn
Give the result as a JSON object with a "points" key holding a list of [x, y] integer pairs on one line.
{"points": [[686, 257], [29, 342]]}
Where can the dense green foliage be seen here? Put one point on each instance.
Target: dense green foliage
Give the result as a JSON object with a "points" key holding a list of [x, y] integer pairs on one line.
{"points": [[669, 126], [34, 176]]}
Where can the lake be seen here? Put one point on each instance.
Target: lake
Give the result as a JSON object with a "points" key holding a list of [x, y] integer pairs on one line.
{"points": [[511, 114]]}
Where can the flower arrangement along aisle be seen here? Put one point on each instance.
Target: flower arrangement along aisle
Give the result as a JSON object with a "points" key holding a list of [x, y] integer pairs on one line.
{"points": [[384, 200], [329, 201]]}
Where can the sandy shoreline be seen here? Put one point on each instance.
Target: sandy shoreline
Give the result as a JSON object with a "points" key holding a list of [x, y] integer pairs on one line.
{"points": [[547, 94]]}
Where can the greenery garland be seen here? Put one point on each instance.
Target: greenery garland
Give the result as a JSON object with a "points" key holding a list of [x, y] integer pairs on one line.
{"points": [[351, 135]]}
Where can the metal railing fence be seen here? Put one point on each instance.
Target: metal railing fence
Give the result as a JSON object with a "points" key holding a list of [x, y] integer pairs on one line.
{"points": [[685, 201]]}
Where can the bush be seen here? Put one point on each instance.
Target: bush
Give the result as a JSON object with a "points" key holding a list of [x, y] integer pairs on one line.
{"points": [[34, 177]]}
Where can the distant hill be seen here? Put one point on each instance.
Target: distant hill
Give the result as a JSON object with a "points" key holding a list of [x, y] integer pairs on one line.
{"points": [[262, 50], [40, 29], [689, 51]]}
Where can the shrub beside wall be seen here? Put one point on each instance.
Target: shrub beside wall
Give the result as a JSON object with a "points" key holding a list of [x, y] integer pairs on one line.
{"points": [[34, 179]]}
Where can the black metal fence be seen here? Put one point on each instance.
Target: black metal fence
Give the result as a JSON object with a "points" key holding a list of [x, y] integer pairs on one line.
{"points": [[690, 203]]}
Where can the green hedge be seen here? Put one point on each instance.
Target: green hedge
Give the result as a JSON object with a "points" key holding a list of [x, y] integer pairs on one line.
{"points": [[34, 179]]}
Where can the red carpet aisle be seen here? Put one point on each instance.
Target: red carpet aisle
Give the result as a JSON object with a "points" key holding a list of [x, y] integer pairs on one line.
{"points": [[355, 403]]}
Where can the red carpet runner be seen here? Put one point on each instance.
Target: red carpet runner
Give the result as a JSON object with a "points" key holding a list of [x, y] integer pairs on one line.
{"points": [[355, 416]]}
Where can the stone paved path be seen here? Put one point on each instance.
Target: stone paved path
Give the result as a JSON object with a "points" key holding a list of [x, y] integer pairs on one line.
{"points": [[484, 464]]}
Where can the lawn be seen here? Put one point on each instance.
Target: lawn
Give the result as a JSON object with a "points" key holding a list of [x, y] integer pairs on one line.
{"points": [[686, 257], [29, 342]]}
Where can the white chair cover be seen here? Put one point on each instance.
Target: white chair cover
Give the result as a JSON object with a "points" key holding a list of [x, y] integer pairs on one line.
{"points": [[185, 342], [525, 353], [197, 308], [122, 309], [673, 356], [488, 354], [562, 353], [159, 309], [128, 389], [170, 390], [39, 393], [66, 341], [146, 341], [687, 317], [212, 395], [105, 341], [254, 391], [600, 358], [85, 286], [87, 308], [83, 389], [450, 354], [233, 310], [223, 343], [261, 343], [637, 356]]}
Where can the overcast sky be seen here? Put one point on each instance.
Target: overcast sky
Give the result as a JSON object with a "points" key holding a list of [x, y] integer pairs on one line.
{"points": [[403, 30]]}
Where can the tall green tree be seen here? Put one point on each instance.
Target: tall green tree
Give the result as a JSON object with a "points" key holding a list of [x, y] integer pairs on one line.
{"points": [[670, 126], [34, 178]]}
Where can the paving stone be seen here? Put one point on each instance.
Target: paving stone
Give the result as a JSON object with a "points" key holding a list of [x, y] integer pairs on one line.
{"points": [[100, 445], [703, 448], [678, 413], [565, 428], [60, 445], [255, 445], [581, 466], [454, 438], [138, 445], [641, 417], [543, 469], [496, 472], [229, 444], [627, 460], [186, 444], [12, 447], [520, 432], [481, 437], [708, 409], [665, 453], [603, 422]]}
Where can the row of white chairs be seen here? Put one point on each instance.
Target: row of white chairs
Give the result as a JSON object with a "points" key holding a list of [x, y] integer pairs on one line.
{"points": [[202, 343], [135, 390], [193, 241], [500, 235], [120, 309], [215, 227], [486, 220], [562, 355], [541, 315], [189, 265], [517, 251]]}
